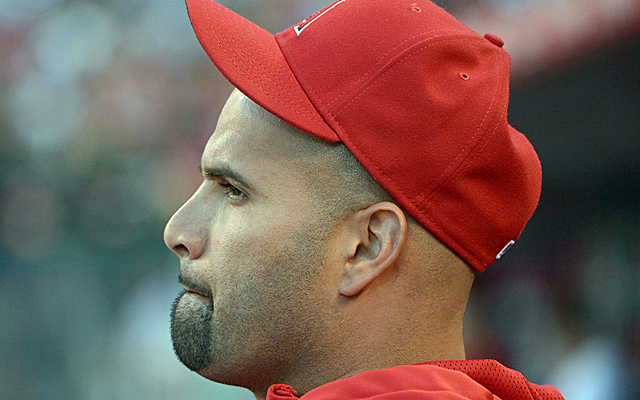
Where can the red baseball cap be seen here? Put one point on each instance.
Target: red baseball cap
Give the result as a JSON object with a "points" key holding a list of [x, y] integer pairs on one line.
{"points": [[418, 98]]}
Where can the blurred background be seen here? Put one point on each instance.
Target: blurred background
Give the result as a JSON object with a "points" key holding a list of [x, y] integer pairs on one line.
{"points": [[105, 107]]}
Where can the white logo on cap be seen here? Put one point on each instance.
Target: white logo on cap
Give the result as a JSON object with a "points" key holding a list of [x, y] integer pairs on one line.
{"points": [[305, 23], [507, 247]]}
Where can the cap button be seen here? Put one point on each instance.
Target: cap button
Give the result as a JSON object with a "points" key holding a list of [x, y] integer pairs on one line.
{"points": [[494, 39]]}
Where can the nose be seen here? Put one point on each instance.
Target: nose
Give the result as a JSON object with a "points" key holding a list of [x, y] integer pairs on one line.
{"points": [[185, 234]]}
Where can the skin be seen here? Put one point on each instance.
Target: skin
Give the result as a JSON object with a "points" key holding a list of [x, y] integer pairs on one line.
{"points": [[284, 288]]}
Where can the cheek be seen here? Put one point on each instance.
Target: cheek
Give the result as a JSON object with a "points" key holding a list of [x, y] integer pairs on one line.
{"points": [[250, 235], [243, 251]]}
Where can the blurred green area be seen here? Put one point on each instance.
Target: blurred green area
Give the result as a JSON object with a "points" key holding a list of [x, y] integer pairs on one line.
{"points": [[105, 107]]}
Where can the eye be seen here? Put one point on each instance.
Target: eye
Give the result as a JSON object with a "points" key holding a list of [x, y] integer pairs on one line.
{"points": [[232, 192]]}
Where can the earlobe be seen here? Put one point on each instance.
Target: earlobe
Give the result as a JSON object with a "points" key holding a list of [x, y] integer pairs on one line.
{"points": [[380, 232]]}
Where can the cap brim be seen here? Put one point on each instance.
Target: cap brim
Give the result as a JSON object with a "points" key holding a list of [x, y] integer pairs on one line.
{"points": [[250, 58]]}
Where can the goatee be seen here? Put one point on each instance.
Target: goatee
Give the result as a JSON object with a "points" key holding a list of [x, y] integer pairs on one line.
{"points": [[191, 331]]}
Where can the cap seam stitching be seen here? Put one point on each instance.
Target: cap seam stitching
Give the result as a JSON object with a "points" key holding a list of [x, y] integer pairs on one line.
{"points": [[337, 112], [435, 193], [430, 191], [382, 58], [304, 78]]}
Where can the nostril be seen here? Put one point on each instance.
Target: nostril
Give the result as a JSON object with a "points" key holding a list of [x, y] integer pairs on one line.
{"points": [[181, 250]]}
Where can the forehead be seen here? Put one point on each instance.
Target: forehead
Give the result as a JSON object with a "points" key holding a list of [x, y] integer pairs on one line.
{"points": [[242, 124], [252, 141]]}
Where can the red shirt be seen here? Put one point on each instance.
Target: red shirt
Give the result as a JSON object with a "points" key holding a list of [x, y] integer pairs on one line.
{"points": [[442, 380]]}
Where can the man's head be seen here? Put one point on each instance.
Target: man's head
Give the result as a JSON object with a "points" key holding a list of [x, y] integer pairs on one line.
{"points": [[286, 246], [362, 168]]}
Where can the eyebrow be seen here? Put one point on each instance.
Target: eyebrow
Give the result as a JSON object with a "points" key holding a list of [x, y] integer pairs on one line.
{"points": [[225, 173]]}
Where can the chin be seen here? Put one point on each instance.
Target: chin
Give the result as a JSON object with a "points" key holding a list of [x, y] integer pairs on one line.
{"points": [[191, 332]]}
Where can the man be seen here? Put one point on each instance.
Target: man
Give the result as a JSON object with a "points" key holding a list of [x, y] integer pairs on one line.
{"points": [[359, 177]]}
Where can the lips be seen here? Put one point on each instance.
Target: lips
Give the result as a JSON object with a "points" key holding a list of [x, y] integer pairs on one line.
{"points": [[192, 286], [193, 291]]}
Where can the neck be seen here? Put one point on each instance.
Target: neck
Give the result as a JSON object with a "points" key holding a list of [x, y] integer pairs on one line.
{"points": [[383, 339]]}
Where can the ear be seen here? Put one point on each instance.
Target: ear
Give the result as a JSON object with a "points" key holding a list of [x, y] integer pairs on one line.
{"points": [[377, 238]]}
